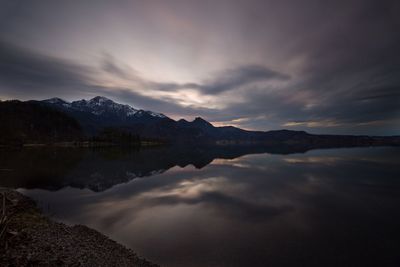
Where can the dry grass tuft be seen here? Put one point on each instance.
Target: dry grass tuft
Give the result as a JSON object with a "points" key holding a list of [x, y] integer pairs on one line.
{"points": [[4, 220]]}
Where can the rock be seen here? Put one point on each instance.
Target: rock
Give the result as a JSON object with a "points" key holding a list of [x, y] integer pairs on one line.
{"points": [[39, 241]]}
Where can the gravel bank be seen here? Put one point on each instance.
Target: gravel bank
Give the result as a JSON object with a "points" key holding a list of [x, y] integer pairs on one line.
{"points": [[32, 239]]}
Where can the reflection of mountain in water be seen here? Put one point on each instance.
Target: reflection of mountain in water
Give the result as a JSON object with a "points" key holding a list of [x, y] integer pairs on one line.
{"points": [[101, 169]]}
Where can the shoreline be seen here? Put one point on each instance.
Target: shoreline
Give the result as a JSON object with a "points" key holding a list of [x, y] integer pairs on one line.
{"points": [[29, 238], [83, 144]]}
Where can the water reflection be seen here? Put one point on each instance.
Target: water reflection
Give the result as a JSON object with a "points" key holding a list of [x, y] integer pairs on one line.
{"points": [[100, 169], [337, 207]]}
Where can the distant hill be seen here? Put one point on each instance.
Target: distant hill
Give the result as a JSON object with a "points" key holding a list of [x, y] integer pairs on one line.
{"points": [[58, 120], [30, 122]]}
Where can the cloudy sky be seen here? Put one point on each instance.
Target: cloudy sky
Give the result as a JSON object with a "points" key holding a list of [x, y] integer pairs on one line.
{"points": [[320, 66]]}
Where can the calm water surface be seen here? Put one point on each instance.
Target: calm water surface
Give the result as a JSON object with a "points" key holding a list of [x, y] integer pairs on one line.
{"points": [[207, 207]]}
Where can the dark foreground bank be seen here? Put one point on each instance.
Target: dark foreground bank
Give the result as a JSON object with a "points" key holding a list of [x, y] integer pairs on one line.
{"points": [[28, 238]]}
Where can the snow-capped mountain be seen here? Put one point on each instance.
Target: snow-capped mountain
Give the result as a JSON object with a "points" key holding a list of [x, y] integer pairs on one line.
{"points": [[96, 114], [54, 120], [102, 106], [100, 112], [57, 101]]}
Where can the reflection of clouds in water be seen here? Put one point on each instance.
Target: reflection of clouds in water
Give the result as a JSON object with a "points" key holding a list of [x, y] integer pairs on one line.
{"points": [[376, 155], [273, 201], [226, 161], [233, 163], [335, 160], [238, 160], [189, 188], [314, 160], [247, 162], [270, 180]]}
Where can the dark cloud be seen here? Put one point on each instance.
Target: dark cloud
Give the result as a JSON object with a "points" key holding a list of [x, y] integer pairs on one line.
{"points": [[108, 64], [226, 80], [28, 74], [350, 72], [164, 105], [330, 67], [241, 76]]}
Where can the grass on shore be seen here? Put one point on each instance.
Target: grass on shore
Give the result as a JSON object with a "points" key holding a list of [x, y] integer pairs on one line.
{"points": [[4, 220]]}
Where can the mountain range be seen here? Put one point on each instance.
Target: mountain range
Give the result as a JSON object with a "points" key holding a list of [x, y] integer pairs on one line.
{"points": [[100, 112], [54, 120]]}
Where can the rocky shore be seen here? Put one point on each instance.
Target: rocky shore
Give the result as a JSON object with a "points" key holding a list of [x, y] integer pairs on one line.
{"points": [[28, 238]]}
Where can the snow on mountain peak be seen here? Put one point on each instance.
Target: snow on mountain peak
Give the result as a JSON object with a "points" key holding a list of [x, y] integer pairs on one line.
{"points": [[100, 100], [154, 114], [142, 112], [101, 105], [55, 100]]}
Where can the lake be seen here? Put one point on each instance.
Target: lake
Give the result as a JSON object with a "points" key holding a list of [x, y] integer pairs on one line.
{"points": [[224, 206]]}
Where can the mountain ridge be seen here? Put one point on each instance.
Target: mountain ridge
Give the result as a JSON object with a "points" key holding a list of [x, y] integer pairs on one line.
{"points": [[100, 113], [97, 103], [158, 126]]}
